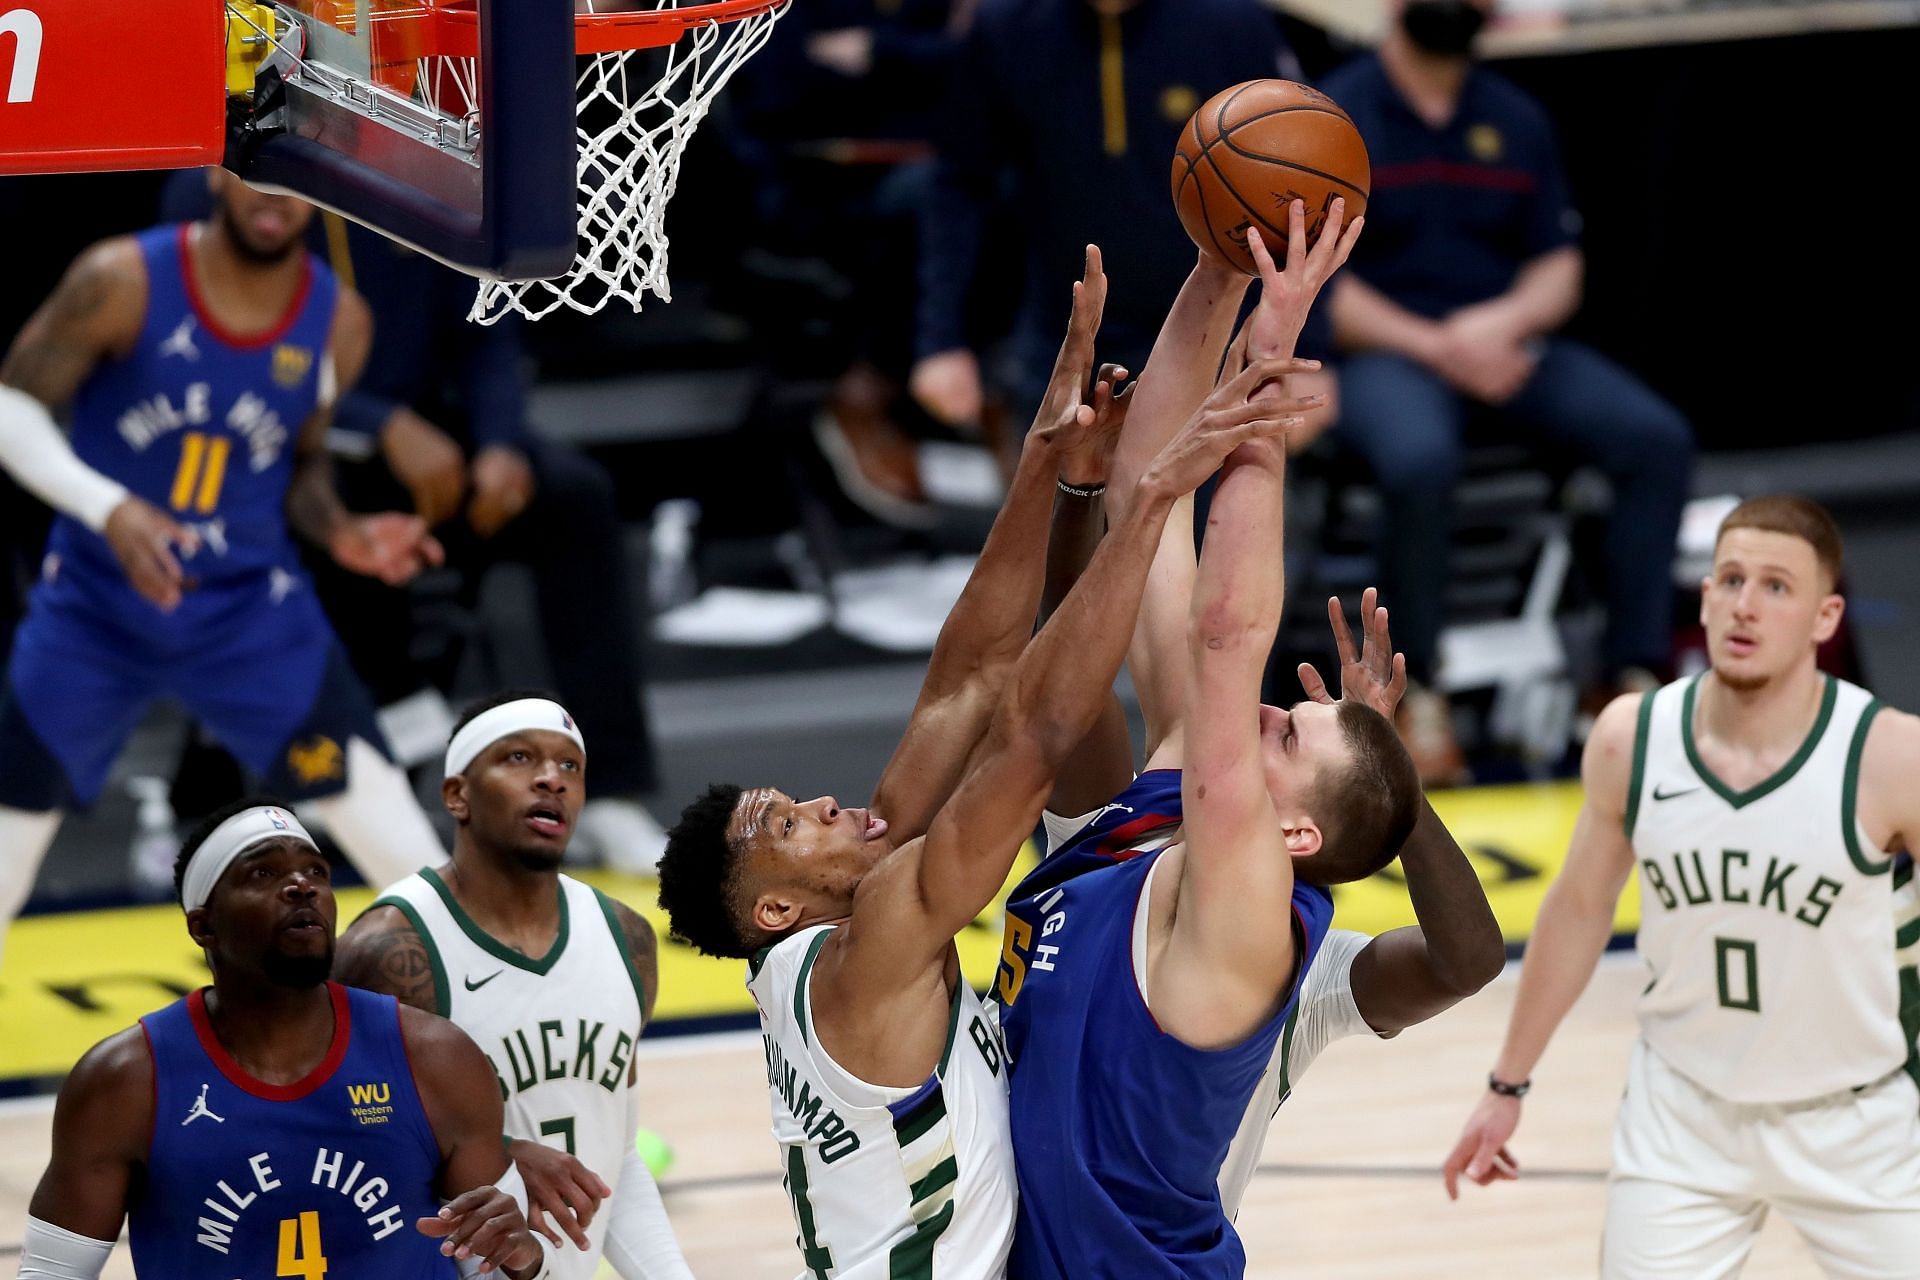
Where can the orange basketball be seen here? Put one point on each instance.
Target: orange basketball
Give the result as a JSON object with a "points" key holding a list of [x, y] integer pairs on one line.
{"points": [[1251, 151]]}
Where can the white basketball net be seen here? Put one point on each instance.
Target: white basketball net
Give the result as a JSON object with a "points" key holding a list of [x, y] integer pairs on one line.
{"points": [[633, 131]]}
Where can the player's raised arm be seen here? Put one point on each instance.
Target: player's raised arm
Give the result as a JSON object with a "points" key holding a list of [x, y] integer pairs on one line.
{"points": [[482, 1219], [1576, 919], [908, 910], [1408, 975], [990, 623], [1185, 355], [100, 1127], [95, 314]]}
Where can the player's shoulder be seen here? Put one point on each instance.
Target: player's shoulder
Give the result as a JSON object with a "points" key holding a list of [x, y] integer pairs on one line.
{"points": [[1617, 728], [1892, 749], [115, 1075], [382, 952], [631, 929], [107, 274]]}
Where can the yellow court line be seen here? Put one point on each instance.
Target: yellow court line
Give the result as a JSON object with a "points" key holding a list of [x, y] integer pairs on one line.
{"points": [[73, 979]]}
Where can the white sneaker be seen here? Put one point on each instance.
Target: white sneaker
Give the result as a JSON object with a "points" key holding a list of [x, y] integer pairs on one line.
{"points": [[626, 837]]}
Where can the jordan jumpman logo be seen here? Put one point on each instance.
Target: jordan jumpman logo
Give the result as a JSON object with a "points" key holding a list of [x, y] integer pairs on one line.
{"points": [[200, 1109]]}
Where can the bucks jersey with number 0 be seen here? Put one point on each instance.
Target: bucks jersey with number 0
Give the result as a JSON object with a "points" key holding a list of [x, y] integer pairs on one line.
{"points": [[886, 1183], [1767, 915], [559, 1030]]}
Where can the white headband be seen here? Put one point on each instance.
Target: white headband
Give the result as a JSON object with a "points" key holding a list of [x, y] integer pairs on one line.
{"points": [[229, 840], [496, 723]]}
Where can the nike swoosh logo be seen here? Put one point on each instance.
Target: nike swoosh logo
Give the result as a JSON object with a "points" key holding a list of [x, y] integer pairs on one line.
{"points": [[1658, 794], [475, 986]]}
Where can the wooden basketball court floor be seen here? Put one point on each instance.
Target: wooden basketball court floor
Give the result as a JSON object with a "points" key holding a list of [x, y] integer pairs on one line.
{"points": [[1349, 1189]]}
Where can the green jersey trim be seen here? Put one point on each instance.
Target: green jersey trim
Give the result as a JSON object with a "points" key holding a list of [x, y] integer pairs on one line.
{"points": [[1643, 730], [626, 955], [1741, 799], [492, 945], [1850, 798], [442, 994], [801, 981]]}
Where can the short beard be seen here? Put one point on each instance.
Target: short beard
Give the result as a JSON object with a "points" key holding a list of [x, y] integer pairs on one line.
{"points": [[251, 252], [539, 859], [298, 973]]}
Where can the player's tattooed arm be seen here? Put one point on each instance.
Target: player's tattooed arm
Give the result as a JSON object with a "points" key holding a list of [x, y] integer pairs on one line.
{"points": [[381, 952], [94, 314], [643, 948], [100, 1126]]}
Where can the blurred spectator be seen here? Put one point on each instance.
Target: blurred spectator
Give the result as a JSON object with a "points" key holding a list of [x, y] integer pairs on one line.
{"points": [[1469, 265], [442, 407], [835, 119], [1076, 106]]}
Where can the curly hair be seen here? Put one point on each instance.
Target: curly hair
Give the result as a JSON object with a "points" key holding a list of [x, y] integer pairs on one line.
{"points": [[700, 873]]}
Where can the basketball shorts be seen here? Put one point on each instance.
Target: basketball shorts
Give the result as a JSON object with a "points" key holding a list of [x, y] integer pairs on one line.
{"points": [[1694, 1177], [263, 674]]}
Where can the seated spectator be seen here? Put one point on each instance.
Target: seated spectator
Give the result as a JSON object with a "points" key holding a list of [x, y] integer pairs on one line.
{"points": [[442, 404], [1451, 305], [834, 121], [1078, 104]]}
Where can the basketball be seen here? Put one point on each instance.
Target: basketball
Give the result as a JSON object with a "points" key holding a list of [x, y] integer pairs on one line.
{"points": [[1253, 149]]}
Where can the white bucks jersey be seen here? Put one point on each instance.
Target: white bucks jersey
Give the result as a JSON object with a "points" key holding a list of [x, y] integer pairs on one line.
{"points": [[1767, 915], [887, 1183], [559, 1030], [1325, 1012]]}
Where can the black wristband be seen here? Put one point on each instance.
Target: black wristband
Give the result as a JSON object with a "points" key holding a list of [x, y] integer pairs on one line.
{"points": [[1081, 491], [1506, 1090]]}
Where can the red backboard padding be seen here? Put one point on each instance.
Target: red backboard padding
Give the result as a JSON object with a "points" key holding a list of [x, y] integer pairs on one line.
{"points": [[111, 84]]}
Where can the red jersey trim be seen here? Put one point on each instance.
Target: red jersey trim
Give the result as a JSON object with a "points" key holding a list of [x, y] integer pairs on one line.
{"points": [[237, 1075], [1455, 174], [244, 342]]}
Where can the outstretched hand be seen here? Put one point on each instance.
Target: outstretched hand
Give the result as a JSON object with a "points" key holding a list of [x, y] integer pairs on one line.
{"points": [[1287, 296], [1082, 425], [1226, 420], [1373, 675]]}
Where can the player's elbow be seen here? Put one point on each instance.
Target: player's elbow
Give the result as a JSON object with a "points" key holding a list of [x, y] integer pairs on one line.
{"points": [[1225, 627], [1479, 963]]}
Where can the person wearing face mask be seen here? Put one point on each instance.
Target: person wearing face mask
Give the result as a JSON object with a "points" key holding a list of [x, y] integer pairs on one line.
{"points": [[1451, 308]]}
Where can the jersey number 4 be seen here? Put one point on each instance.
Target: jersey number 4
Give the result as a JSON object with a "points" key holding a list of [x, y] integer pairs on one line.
{"points": [[202, 470], [300, 1252]]}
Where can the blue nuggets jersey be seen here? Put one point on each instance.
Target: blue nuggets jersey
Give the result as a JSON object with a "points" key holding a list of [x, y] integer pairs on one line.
{"points": [[321, 1177], [202, 423], [1119, 1129]]}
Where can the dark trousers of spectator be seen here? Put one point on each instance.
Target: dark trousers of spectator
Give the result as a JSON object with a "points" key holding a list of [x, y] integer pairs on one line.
{"points": [[1408, 424], [570, 538]]}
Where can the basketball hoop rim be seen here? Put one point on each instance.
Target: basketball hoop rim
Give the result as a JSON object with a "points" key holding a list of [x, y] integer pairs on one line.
{"points": [[454, 25]]}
